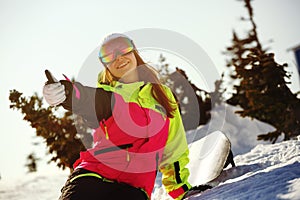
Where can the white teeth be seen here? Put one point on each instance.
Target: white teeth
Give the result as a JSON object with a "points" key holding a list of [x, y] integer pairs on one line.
{"points": [[123, 64]]}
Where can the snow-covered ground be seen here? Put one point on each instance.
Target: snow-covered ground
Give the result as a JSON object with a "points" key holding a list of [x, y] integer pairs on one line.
{"points": [[34, 186], [264, 171]]}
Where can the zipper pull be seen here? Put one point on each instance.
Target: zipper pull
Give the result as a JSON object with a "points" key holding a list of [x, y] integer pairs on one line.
{"points": [[105, 130], [127, 156]]}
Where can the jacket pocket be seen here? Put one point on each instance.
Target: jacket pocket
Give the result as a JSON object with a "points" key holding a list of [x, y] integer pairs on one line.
{"points": [[114, 148]]}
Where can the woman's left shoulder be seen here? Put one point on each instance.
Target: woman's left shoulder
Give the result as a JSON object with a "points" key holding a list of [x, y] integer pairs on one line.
{"points": [[167, 89]]}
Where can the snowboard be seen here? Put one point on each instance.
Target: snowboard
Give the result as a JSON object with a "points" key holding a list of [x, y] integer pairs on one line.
{"points": [[208, 156]]}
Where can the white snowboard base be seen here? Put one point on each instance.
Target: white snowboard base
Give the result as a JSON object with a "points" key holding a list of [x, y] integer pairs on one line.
{"points": [[207, 157]]}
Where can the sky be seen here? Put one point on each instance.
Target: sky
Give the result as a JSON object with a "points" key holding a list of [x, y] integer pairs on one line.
{"points": [[60, 35]]}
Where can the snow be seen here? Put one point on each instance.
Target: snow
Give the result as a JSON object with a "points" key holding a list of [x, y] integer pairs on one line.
{"points": [[242, 132], [33, 186], [263, 171], [266, 172]]}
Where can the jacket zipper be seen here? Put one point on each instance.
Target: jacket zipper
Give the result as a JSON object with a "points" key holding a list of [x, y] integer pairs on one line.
{"points": [[105, 129]]}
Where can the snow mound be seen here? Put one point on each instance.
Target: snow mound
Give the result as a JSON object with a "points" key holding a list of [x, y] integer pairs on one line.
{"points": [[266, 172], [33, 186]]}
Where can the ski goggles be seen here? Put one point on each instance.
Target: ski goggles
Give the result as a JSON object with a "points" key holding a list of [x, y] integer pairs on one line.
{"points": [[119, 46]]}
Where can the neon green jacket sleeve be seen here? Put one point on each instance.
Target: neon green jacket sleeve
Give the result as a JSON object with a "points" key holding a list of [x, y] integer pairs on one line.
{"points": [[175, 158]]}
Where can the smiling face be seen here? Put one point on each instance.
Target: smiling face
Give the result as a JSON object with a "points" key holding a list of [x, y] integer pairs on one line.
{"points": [[123, 67], [118, 57]]}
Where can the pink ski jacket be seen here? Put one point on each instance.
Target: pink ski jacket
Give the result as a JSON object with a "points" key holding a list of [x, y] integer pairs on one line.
{"points": [[133, 138]]}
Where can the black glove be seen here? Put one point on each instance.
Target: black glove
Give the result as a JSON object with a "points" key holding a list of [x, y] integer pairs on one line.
{"points": [[196, 190]]}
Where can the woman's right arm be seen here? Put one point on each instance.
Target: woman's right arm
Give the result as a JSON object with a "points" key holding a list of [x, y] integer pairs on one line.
{"points": [[93, 104]]}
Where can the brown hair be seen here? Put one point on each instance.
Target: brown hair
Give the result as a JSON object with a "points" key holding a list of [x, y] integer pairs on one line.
{"points": [[147, 74]]}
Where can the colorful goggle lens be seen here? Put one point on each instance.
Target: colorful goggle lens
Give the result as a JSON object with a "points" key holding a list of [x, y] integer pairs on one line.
{"points": [[119, 46]]}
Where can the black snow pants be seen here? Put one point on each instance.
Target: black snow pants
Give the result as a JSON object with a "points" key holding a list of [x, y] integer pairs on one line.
{"points": [[94, 188]]}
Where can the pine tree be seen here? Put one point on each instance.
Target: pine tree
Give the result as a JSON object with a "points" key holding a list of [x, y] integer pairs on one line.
{"points": [[217, 95], [188, 95], [262, 91], [31, 163], [64, 136]]}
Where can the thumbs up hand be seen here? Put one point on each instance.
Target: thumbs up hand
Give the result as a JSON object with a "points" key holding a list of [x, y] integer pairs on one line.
{"points": [[53, 91]]}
